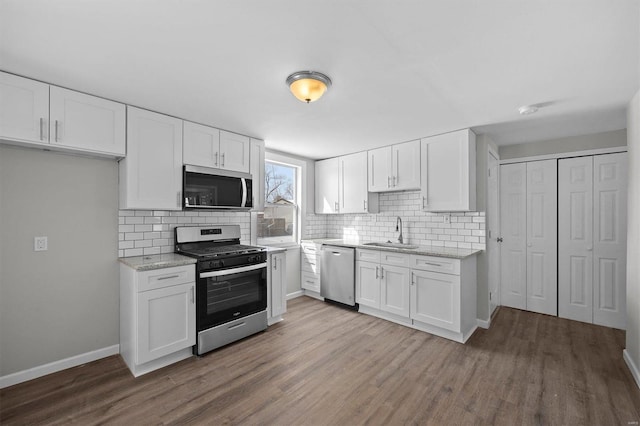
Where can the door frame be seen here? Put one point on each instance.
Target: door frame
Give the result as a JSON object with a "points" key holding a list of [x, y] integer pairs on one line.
{"points": [[491, 152]]}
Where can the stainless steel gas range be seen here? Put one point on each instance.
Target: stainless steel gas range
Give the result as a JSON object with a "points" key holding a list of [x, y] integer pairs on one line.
{"points": [[231, 284]]}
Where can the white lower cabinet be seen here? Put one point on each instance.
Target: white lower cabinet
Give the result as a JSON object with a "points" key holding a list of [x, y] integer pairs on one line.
{"points": [[432, 294], [435, 299], [157, 316], [310, 266], [277, 284]]}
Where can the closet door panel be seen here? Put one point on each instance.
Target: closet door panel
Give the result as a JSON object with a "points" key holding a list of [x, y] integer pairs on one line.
{"points": [[575, 238], [610, 239], [541, 214]]}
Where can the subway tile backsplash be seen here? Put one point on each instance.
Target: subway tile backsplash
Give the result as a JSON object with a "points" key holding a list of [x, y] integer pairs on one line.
{"points": [[457, 230], [145, 232]]}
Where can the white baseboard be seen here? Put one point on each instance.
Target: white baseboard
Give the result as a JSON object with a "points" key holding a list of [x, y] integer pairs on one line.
{"points": [[53, 367], [484, 323], [295, 294], [632, 366]]}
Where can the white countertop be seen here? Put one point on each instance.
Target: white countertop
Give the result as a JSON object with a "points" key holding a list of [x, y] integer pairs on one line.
{"points": [[156, 261], [425, 250]]}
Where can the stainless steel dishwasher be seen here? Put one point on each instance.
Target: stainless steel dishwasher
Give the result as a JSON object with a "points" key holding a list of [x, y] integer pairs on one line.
{"points": [[337, 274]]}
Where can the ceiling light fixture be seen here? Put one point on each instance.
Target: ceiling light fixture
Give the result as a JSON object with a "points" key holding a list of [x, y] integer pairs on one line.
{"points": [[527, 109], [308, 86]]}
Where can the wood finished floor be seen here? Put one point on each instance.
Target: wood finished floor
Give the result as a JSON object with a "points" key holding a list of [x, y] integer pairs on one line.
{"points": [[326, 365]]}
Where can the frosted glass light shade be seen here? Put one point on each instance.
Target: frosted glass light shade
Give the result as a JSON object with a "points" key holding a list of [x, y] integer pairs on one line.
{"points": [[308, 86]]}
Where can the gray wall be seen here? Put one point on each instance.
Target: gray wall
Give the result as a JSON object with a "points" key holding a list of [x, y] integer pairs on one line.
{"points": [[612, 139], [633, 233], [64, 301]]}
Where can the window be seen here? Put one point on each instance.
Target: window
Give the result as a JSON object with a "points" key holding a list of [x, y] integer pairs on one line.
{"points": [[279, 221]]}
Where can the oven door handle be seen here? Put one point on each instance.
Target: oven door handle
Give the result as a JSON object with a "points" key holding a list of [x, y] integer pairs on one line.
{"points": [[233, 271]]}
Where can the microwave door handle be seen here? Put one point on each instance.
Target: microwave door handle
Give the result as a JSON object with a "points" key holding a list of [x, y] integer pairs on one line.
{"points": [[244, 192], [233, 271]]}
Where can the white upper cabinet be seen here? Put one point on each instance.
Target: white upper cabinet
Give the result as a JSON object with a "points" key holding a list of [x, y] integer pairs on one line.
{"points": [[449, 172], [257, 173], [394, 168], [327, 183], [201, 145], [34, 112], [352, 185], [234, 152], [24, 109], [151, 173], [86, 122], [209, 147]]}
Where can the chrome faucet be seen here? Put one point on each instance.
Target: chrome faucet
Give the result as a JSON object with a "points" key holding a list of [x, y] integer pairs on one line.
{"points": [[399, 228]]}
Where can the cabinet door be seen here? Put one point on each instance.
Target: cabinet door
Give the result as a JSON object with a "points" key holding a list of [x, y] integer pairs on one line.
{"points": [[405, 166], [87, 122], [575, 238], [257, 173], [610, 240], [151, 173], [234, 152], [353, 183], [448, 172], [513, 227], [542, 237], [278, 284], [201, 145], [368, 284], [166, 321], [24, 109], [435, 299], [395, 285], [327, 183], [379, 161]]}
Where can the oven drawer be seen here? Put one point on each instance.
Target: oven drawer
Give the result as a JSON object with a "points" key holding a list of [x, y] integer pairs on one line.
{"points": [[166, 277]]}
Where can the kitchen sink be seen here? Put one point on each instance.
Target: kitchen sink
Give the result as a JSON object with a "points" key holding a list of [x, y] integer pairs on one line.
{"points": [[392, 245]]}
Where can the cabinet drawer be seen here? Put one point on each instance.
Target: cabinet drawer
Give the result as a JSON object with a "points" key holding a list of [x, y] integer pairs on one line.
{"points": [[309, 266], [395, 259], [165, 277], [309, 248], [368, 255], [310, 281], [436, 264]]}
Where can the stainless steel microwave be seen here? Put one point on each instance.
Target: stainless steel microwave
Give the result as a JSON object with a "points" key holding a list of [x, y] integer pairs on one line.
{"points": [[206, 188]]}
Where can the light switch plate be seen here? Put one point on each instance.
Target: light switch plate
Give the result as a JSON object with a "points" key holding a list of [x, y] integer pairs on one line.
{"points": [[40, 244]]}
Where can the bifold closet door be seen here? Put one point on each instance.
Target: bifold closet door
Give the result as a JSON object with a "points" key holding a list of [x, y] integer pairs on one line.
{"points": [[528, 217], [592, 239], [610, 239], [542, 237], [575, 238], [513, 230]]}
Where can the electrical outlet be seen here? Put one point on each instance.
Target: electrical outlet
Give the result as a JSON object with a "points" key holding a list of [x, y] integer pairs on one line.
{"points": [[447, 218], [40, 244]]}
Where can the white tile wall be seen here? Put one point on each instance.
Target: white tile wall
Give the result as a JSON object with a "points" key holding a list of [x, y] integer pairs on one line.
{"points": [[464, 230], [144, 232], [315, 226]]}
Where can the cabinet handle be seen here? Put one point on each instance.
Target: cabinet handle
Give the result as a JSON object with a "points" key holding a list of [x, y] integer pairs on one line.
{"points": [[179, 200], [365, 205], [394, 181], [193, 296], [168, 278], [336, 207], [215, 162], [275, 263], [381, 272], [55, 128], [433, 264], [589, 248], [41, 131], [388, 181], [424, 202], [377, 275], [222, 157], [412, 279]]}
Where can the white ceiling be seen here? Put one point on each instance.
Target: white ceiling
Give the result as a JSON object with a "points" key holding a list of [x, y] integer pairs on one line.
{"points": [[401, 70]]}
